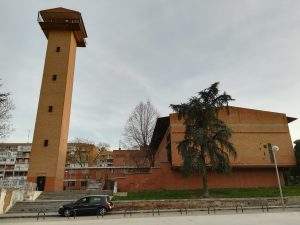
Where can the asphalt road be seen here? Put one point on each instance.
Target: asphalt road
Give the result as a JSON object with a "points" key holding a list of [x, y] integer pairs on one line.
{"points": [[274, 218]]}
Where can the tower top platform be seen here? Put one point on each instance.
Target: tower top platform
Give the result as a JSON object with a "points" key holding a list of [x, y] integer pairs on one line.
{"points": [[63, 19]]}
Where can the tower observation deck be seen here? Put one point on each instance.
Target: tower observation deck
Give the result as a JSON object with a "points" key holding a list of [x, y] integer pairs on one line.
{"points": [[63, 19]]}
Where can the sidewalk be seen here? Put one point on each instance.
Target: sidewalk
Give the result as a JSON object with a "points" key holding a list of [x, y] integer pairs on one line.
{"points": [[276, 218], [26, 215]]}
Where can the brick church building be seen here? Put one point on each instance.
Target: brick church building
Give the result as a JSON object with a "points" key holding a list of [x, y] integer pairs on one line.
{"points": [[252, 131]]}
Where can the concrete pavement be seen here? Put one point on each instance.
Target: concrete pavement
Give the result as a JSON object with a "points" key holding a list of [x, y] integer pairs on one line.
{"points": [[278, 218]]}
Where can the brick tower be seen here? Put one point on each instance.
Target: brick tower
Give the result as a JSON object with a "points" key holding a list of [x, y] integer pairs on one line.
{"points": [[65, 31]]}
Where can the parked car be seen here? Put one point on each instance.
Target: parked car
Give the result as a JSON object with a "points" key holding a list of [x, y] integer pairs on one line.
{"points": [[93, 204]]}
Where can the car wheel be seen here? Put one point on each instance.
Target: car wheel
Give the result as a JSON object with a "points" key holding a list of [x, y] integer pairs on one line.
{"points": [[67, 213], [102, 211]]}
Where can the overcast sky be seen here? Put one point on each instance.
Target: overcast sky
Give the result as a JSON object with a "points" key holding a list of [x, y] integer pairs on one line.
{"points": [[164, 51]]}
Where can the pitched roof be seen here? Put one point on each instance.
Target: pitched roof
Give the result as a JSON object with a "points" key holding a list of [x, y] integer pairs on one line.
{"points": [[160, 129]]}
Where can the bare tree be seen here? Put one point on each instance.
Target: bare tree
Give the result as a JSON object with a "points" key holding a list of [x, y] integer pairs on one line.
{"points": [[6, 106], [104, 155], [140, 161], [139, 128], [102, 146], [81, 152]]}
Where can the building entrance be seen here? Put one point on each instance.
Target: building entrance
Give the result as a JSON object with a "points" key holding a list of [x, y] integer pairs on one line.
{"points": [[40, 183]]}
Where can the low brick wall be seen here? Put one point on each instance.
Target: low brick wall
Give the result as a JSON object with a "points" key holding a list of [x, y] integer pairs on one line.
{"points": [[155, 179], [293, 200], [195, 203]]}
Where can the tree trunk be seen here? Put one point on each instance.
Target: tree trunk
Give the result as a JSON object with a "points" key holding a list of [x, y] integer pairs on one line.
{"points": [[204, 179], [152, 161], [150, 156]]}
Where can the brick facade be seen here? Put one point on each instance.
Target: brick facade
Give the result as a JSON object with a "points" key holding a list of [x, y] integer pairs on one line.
{"points": [[129, 158], [164, 177], [252, 129]]}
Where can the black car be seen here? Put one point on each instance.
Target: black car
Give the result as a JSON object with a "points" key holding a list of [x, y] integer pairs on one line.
{"points": [[93, 204]]}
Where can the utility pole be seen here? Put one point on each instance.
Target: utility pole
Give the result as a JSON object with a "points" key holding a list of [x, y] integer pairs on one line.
{"points": [[272, 149]]}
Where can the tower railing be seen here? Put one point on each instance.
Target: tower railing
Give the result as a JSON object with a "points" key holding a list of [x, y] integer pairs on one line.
{"points": [[62, 23], [57, 20]]}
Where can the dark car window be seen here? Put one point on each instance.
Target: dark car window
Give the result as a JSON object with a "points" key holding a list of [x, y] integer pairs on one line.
{"points": [[97, 200], [82, 201]]}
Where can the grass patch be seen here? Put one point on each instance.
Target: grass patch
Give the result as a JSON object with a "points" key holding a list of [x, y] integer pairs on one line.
{"points": [[214, 193]]}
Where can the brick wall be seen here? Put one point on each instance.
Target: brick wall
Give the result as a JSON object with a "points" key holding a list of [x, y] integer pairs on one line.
{"points": [[196, 203], [129, 158], [165, 177]]}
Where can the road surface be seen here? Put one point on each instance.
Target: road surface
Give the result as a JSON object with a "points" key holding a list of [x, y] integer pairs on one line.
{"points": [[273, 218]]}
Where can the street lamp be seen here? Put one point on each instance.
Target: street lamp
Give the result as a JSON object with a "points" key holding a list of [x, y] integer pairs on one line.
{"points": [[275, 148]]}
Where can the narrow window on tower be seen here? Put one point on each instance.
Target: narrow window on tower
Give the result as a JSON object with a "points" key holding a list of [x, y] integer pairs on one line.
{"points": [[50, 108], [57, 49], [46, 143], [54, 77]]}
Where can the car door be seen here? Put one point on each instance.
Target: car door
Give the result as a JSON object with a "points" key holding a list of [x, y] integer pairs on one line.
{"points": [[95, 202], [82, 206]]}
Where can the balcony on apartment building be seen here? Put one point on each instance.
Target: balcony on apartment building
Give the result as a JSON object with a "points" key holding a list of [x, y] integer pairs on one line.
{"points": [[21, 167]]}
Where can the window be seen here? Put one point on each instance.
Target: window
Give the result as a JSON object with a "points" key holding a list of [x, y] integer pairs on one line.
{"points": [[50, 108], [46, 142], [72, 184], [54, 77], [97, 200], [83, 183], [82, 200], [57, 49]]}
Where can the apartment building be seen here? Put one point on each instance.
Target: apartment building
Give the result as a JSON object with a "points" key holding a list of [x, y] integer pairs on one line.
{"points": [[14, 161]]}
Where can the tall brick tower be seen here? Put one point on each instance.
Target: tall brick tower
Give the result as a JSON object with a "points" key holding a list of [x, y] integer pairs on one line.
{"points": [[65, 31]]}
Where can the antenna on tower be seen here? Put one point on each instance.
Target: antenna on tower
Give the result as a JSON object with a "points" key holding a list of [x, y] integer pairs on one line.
{"points": [[28, 134], [119, 144]]}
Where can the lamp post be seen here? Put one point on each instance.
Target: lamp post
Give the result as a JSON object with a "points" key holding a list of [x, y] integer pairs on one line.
{"points": [[275, 148]]}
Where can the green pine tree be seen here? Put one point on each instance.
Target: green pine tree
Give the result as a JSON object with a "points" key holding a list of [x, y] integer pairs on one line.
{"points": [[206, 144]]}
